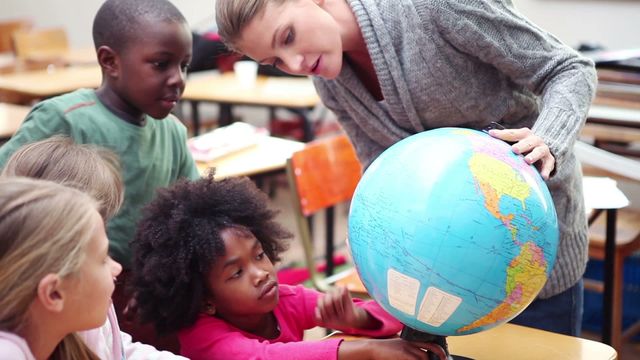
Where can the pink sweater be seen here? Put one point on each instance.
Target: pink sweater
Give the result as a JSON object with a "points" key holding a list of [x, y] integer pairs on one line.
{"points": [[212, 338]]}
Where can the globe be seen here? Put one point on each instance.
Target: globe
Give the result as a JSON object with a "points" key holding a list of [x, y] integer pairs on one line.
{"points": [[451, 232]]}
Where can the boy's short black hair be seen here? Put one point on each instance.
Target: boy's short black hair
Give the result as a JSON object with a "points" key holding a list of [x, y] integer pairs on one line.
{"points": [[118, 21], [178, 240]]}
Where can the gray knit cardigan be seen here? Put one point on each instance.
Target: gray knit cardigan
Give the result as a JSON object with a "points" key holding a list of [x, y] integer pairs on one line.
{"points": [[465, 63]]}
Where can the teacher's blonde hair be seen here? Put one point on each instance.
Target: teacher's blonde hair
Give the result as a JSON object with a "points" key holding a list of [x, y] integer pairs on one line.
{"points": [[44, 228], [233, 15]]}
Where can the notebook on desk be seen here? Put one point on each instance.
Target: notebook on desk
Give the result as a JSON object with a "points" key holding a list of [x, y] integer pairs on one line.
{"points": [[225, 140]]}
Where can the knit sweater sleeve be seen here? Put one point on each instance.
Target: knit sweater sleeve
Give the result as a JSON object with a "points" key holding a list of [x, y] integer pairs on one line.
{"points": [[495, 33], [43, 121]]}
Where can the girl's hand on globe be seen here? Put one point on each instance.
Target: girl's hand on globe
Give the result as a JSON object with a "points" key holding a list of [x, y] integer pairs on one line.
{"points": [[336, 310], [530, 145]]}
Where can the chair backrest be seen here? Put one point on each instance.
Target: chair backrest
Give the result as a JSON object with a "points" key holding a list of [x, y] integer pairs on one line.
{"points": [[326, 173], [323, 174], [7, 29], [41, 43]]}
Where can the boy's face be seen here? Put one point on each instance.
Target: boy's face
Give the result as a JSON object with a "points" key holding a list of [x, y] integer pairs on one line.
{"points": [[153, 68], [243, 281], [298, 37]]}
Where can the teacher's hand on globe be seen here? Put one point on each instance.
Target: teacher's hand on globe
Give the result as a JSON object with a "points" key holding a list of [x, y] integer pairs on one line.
{"points": [[531, 146], [336, 310]]}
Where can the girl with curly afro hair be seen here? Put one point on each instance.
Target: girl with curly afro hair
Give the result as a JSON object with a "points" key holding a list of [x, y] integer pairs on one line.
{"points": [[204, 259]]}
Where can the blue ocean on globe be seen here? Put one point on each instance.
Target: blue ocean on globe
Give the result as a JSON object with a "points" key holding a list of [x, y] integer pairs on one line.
{"points": [[451, 232]]}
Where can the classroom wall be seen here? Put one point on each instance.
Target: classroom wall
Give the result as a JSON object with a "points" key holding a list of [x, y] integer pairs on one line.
{"points": [[611, 23], [77, 15]]}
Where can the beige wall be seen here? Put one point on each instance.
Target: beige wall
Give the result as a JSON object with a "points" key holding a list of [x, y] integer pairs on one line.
{"points": [[614, 24], [77, 15]]}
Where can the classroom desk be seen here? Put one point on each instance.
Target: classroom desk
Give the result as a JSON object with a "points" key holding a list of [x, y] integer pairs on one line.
{"points": [[509, 342], [613, 125], [614, 115], [11, 117], [7, 62], [265, 158], [296, 94], [71, 57], [34, 85], [606, 196]]}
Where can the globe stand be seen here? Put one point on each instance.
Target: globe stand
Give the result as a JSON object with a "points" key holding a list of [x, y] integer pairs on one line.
{"points": [[437, 345]]}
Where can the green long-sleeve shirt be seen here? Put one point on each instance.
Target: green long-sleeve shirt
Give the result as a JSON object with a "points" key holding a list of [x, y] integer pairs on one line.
{"points": [[152, 156]]}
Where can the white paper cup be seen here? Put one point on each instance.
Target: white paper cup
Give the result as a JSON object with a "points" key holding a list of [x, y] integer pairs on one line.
{"points": [[246, 73]]}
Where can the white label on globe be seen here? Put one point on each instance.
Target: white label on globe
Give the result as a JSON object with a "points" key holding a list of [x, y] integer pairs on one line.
{"points": [[402, 291], [437, 306]]}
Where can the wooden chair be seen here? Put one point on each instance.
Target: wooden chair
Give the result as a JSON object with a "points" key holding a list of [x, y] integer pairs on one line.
{"points": [[598, 162], [41, 47], [324, 174], [7, 29]]}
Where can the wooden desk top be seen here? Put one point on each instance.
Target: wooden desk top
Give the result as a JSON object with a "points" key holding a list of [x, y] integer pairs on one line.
{"points": [[618, 115], [43, 84], [72, 57], [11, 117], [268, 91], [508, 342], [270, 154]]}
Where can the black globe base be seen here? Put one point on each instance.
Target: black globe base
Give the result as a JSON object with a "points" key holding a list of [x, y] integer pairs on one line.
{"points": [[437, 345]]}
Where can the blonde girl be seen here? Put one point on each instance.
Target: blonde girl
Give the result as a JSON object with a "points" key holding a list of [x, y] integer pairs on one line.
{"points": [[56, 277]]}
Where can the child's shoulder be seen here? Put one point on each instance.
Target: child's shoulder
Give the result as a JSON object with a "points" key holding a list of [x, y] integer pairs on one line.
{"points": [[76, 111], [13, 347], [70, 102], [296, 292], [291, 290]]}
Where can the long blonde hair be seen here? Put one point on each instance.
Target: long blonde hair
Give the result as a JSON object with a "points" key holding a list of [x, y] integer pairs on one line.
{"points": [[44, 229], [233, 15], [90, 168]]}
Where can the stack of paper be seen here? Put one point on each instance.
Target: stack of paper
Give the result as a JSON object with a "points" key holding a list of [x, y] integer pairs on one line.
{"points": [[225, 140]]}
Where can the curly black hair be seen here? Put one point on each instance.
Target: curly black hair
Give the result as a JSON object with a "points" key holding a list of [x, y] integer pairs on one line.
{"points": [[178, 241]]}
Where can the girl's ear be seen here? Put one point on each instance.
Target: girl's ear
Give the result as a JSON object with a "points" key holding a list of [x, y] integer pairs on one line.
{"points": [[109, 61], [50, 294]]}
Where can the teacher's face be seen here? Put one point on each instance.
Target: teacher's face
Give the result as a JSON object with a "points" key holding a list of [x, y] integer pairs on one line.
{"points": [[298, 37]]}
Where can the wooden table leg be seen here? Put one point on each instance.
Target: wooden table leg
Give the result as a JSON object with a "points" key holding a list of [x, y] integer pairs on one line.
{"points": [[195, 117], [609, 278]]}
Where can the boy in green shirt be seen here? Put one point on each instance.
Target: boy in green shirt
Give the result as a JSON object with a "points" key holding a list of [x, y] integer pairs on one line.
{"points": [[144, 48]]}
